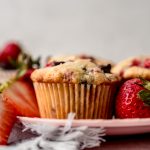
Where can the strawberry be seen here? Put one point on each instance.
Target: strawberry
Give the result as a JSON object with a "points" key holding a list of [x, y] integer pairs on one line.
{"points": [[7, 120], [135, 62], [9, 53], [147, 63], [133, 99], [26, 75], [18, 99], [21, 96], [18, 93]]}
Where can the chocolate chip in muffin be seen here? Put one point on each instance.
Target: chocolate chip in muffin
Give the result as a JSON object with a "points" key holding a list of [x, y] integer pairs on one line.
{"points": [[83, 82], [84, 69], [106, 68]]}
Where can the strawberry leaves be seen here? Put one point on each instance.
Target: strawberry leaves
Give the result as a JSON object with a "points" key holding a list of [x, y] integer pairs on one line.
{"points": [[145, 93], [24, 63], [145, 83], [145, 96]]}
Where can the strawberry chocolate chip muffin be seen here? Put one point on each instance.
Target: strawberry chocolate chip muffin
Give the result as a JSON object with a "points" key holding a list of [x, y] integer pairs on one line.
{"points": [[133, 67], [78, 86]]}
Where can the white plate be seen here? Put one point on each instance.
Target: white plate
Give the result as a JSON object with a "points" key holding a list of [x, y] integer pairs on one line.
{"points": [[112, 126]]}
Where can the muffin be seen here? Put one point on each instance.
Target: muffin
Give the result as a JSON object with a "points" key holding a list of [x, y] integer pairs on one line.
{"points": [[133, 67], [78, 86]]}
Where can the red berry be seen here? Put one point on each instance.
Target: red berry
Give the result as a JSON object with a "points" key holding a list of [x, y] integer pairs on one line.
{"points": [[26, 76], [136, 62], [16, 100], [7, 120], [10, 52], [49, 64], [128, 102], [121, 73], [147, 63]]}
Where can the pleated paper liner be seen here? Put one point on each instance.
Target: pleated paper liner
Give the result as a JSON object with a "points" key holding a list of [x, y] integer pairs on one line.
{"points": [[56, 100]]}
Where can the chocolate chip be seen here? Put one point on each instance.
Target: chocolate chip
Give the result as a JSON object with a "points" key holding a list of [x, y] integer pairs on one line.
{"points": [[84, 69], [56, 63], [106, 68], [83, 82]]}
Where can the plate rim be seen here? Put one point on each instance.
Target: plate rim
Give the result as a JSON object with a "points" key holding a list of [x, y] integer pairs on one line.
{"points": [[135, 122]]}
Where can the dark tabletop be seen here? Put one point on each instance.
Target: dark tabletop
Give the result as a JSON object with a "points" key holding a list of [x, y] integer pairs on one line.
{"points": [[132, 142]]}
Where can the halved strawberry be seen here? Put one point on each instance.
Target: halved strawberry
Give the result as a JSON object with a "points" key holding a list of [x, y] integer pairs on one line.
{"points": [[18, 99], [7, 120], [22, 97]]}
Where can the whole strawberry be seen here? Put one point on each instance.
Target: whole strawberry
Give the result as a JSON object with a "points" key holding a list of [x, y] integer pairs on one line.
{"points": [[9, 53], [133, 99]]}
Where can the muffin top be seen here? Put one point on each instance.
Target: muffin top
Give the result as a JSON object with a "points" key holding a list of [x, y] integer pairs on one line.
{"points": [[133, 67], [74, 71], [98, 61]]}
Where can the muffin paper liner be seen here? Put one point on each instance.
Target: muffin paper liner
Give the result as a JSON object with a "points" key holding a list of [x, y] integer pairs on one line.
{"points": [[56, 100]]}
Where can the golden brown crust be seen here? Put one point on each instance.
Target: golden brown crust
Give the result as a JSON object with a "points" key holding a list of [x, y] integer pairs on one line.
{"points": [[122, 65], [135, 72], [127, 70], [77, 71]]}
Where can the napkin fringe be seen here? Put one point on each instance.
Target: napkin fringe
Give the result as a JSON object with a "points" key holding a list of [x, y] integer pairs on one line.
{"points": [[60, 138]]}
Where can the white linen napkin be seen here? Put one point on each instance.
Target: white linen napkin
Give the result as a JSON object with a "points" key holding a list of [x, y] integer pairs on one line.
{"points": [[60, 138]]}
